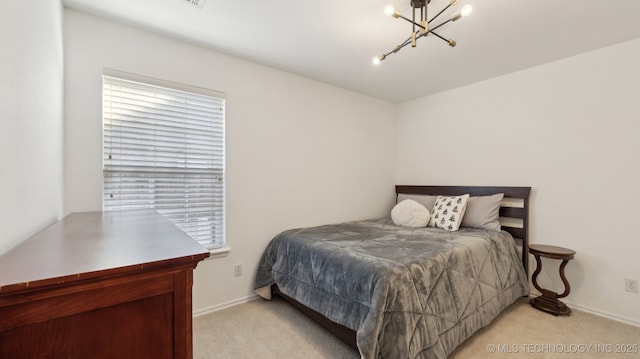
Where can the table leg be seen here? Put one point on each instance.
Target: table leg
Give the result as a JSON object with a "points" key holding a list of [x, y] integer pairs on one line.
{"points": [[536, 272], [567, 288]]}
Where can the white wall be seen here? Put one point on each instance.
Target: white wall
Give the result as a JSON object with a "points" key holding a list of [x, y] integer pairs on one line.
{"points": [[31, 88], [299, 152], [571, 130]]}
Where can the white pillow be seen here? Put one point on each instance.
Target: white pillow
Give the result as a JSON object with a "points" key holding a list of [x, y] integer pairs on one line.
{"points": [[448, 212], [410, 213]]}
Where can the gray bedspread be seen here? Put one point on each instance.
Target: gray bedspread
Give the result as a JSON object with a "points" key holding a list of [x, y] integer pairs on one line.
{"points": [[408, 293]]}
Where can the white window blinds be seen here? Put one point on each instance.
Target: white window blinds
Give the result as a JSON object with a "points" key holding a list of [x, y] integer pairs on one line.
{"points": [[164, 150]]}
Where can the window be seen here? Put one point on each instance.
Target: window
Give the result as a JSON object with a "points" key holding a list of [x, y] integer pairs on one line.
{"points": [[163, 149]]}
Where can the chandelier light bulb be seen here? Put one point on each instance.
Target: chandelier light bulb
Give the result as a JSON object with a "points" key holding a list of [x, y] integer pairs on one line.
{"points": [[466, 10], [389, 10], [378, 59]]}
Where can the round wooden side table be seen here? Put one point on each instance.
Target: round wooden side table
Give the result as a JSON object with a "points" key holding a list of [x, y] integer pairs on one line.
{"points": [[549, 300]]}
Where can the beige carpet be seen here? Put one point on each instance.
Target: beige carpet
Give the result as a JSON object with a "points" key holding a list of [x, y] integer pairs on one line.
{"points": [[274, 329]]}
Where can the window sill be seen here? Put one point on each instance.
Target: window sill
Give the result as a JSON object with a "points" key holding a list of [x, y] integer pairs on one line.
{"points": [[219, 252]]}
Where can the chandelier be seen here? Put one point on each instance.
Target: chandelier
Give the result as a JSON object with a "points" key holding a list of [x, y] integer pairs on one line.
{"points": [[422, 28]]}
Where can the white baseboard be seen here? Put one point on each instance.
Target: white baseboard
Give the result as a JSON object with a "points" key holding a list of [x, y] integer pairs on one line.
{"points": [[617, 318], [215, 308], [229, 304], [599, 313]]}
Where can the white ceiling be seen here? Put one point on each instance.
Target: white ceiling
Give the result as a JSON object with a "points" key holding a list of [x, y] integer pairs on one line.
{"points": [[333, 41]]}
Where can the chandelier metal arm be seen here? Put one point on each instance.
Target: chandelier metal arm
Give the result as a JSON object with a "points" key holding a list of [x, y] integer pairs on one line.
{"points": [[397, 48], [411, 21], [405, 43], [408, 41], [440, 13], [440, 25], [446, 40], [451, 42]]}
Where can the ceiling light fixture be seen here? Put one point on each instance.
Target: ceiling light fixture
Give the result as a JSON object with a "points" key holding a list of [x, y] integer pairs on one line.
{"points": [[422, 28]]}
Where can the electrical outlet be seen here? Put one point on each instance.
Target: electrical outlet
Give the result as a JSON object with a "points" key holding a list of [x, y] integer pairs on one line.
{"points": [[631, 285], [237, 270]]}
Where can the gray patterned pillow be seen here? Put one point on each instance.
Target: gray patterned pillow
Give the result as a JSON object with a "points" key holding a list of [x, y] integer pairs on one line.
{"points": [[448, 211]]}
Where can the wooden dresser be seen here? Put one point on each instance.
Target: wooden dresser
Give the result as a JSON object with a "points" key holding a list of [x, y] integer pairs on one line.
{"points": [[100, 285]]}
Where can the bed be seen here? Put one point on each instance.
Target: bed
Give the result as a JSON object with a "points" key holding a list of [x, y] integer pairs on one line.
{"points": [[402, 292]]}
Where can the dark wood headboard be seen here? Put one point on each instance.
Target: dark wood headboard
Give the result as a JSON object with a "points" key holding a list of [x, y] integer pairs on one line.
{"points": [[514, 209]]}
